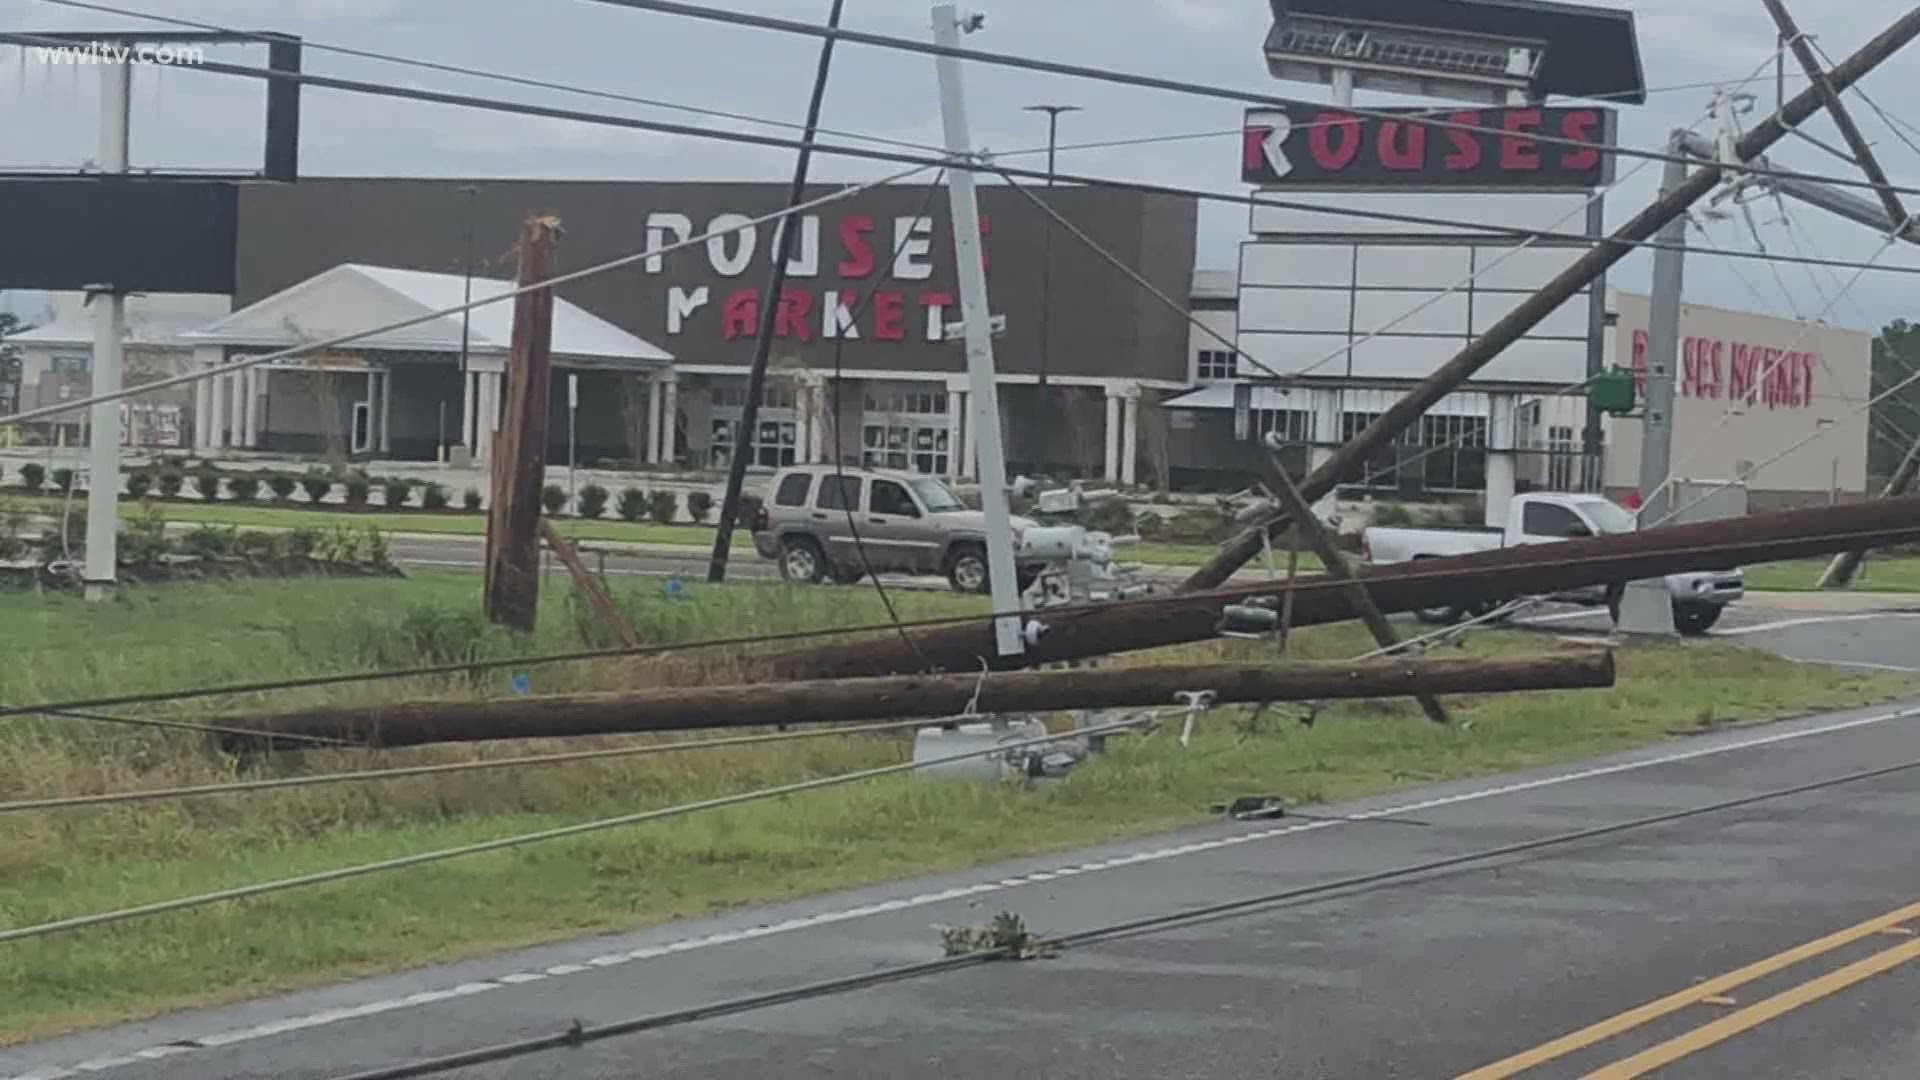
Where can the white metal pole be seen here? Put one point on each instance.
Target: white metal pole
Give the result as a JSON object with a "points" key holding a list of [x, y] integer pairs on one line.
{"points": [[109, 327], [975, 317], [573, 431]]}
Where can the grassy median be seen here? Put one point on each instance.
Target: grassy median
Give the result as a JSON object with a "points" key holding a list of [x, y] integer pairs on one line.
{"points": [[57, 864]]}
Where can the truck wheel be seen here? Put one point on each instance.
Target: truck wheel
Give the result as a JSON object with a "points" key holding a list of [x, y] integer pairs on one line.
{"points": [[848, 575], [1694, 620], [801, 561], [1439, 616], [967, 570]]}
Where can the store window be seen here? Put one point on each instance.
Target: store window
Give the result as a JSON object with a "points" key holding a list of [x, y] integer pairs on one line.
{"points": [[909, 430], [1218, 364]]}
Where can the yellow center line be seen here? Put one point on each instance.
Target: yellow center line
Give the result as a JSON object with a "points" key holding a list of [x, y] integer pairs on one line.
{"points": [[1672, 1003], [1756, 1014]]}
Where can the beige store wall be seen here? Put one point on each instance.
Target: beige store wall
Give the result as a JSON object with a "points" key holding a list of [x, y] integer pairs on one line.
{"points": [[1822, 375]]}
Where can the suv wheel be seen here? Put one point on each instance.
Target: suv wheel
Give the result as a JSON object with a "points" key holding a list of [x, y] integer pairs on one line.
{"points": [[848, 575], [801, 561], [1694, 619], [967, 570]]}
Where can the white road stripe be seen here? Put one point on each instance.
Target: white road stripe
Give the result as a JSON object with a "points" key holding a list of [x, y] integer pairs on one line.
{"points": [[1815, 620], [1001, 885], [1851, 664]]}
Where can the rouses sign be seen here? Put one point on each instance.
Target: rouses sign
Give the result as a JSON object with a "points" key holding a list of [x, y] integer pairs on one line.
{"points": [[1737, 370], [835, 264], [1310, 146]]}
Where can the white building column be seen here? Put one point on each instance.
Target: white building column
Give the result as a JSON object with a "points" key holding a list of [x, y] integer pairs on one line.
{"points": [[229, 409], [384, 409], [1130, 435], [1115, 418], [202, 411], [249, 406], [670, 423], [469, 407], [488, 420], [650, 454], [1500, 457]]}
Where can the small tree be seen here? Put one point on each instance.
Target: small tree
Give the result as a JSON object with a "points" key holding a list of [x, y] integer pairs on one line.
{"points": [[663, 506], [207, 483], [33, 476], [63, 480], [169, 482], [358, 488], [471, 499], [699, 505], [396, 491], [632, 505], [317, 484], [283, 487], [554, 498], [433, 497], [139, 482], [245, 487], [593, 501]]}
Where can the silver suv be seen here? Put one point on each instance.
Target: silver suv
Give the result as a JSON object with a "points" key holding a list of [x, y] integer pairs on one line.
{"points": [[821, 522]]}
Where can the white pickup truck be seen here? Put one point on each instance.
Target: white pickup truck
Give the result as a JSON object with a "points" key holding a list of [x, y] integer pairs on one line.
{"points": [[1698, 598]]}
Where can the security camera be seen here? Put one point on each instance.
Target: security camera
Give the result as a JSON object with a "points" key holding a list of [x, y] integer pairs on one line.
{"points": [[973, 23]]}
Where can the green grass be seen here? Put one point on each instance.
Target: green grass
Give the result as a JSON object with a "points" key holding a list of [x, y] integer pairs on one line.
{"points": [[269, 516], [1200, 554], [1880, 574], [67, 863]]}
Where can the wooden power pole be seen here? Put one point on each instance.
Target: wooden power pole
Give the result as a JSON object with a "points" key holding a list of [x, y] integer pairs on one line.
{"points": [[519, 455]]}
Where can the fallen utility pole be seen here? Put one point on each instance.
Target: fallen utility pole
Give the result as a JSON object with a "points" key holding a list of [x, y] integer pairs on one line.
{"points": [[933, 696], [1598, 259], [1488, 577], [1307, 525], [773, 310], [1841, 571], [512, 585], [589, 586], [1830, 97]]}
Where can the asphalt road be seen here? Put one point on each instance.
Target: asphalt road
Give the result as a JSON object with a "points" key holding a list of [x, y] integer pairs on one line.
{"points": [[1664, 948]]}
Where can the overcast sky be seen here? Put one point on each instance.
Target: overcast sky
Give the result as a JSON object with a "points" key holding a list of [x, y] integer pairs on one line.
{"points": [[182, 118]]}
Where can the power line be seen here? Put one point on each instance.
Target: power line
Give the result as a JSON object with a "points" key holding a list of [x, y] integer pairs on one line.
{"points": [[503, 843], [1129, 928], [570, 88], [181, 725], [417, 320], [1180, 86], [116, 798]]}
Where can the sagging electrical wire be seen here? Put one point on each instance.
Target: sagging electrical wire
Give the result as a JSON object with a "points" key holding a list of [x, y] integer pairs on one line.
{"points": [[80, 922], [1110, 932], [117, 798]]}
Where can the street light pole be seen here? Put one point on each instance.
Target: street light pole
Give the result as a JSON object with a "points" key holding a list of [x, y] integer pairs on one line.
{"points": [[1046, 283]]}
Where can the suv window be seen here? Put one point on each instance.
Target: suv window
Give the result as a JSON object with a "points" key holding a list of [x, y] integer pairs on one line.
{"points": [[1546, 519], [793, 490], [887, 497], [839, 493]]}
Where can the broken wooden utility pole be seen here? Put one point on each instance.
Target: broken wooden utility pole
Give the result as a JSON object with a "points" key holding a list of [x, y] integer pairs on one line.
{"points": [[1841, 571], [589, 586], [512, 586], [932, 696], [1308, 526], [1060, 635], [1598, 259]]}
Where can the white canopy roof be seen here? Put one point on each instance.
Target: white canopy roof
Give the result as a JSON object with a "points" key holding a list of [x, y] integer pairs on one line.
{"points": [[353, 297]]}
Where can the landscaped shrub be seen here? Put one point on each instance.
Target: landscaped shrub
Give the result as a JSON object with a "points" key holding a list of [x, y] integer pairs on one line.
{"points": [[210, 541], [143, 539], [396, 491], [699, 505], [63, 480], [317, 484], [662, 506], [33, 476], [632, 505], [748, 509], [433, 497], [283, 487], [259, 546], [169, 482], [554, 498], [471, 499], [593, 501], [245, 487], [358, 488], [207, 482], [301, 542], [139, 482]]}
